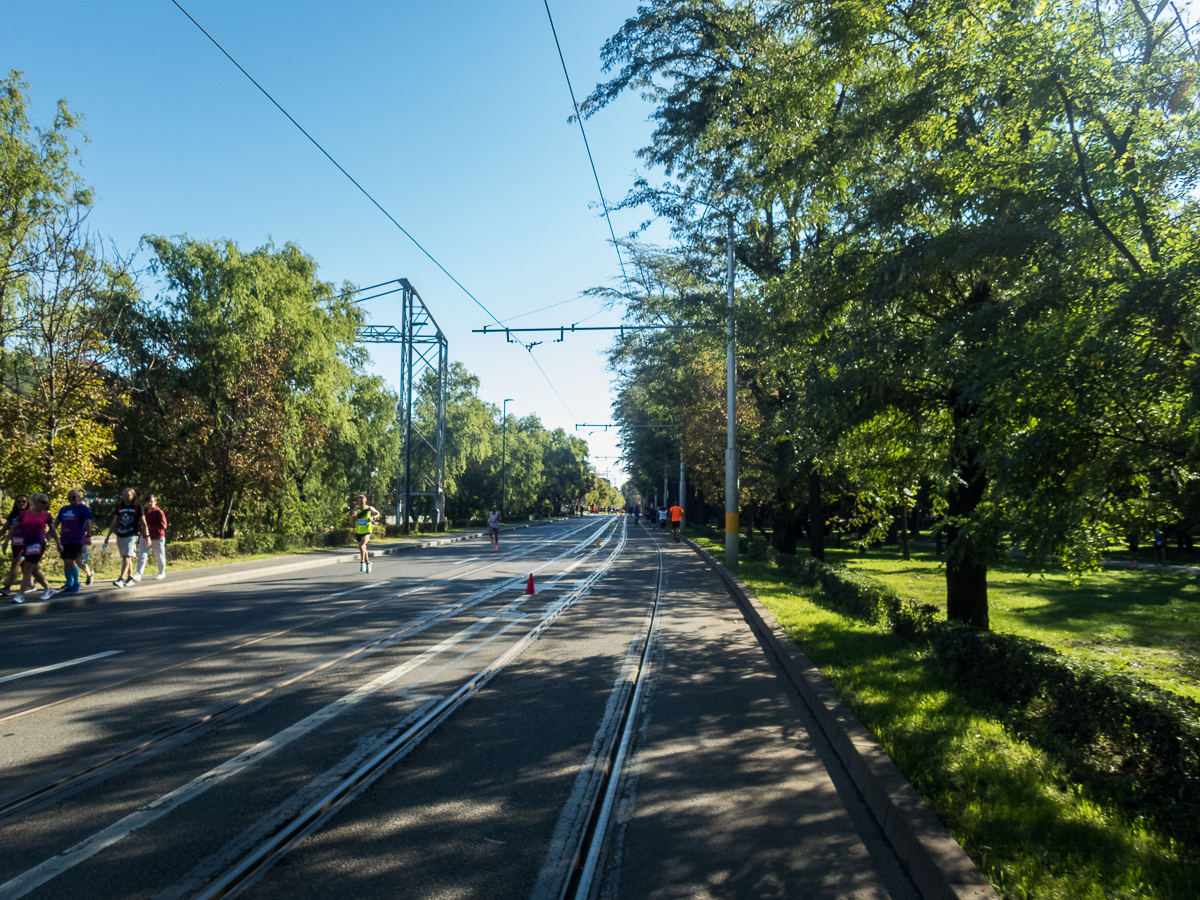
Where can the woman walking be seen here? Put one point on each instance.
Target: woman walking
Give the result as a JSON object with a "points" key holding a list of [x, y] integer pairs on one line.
{"points": [[37, 522], [14, 534]]}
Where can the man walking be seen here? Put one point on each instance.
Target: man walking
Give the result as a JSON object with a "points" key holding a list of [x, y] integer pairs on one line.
{"points": [[128, 523], [156, 530], [74, 523]]}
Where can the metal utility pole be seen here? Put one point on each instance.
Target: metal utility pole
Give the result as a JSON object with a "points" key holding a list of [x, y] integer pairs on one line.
{"points": [[681, 494], [423, 348], [732, 525], [666, 495], [504, 454]]}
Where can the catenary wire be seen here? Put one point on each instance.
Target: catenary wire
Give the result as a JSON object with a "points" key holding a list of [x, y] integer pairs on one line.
{"points": [[378, 206], [579, 119], [353, 181]]}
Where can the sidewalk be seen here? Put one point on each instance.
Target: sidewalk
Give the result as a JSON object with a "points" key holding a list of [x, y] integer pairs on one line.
{"points": [[189, 580], [753, 780]]}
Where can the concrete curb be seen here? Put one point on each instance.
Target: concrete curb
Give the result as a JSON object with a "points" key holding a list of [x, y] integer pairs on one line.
{"points": [[936, 863], [144, 590]]}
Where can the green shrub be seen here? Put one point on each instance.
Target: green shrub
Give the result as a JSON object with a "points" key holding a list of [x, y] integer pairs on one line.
{"points": [[1136, 744]]}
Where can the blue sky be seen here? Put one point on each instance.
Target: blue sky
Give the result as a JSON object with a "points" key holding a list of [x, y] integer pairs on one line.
{"points": [[453, 115]]}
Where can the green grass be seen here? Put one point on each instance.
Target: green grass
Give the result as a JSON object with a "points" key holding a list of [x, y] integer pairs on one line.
{"points": [[1144, 621], [1031, 832]]}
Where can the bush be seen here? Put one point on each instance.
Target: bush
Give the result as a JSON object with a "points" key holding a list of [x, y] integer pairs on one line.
{"points": [[1135, 743]]}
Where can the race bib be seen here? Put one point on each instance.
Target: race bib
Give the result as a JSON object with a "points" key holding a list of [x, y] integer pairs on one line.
{"points": [[33, 549]]}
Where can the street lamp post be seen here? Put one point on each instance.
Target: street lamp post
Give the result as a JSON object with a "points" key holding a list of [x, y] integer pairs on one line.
{"points": [[503, 452]]}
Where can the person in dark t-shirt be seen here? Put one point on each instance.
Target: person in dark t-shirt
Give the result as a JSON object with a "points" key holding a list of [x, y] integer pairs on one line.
{"points": [[128, 524]]}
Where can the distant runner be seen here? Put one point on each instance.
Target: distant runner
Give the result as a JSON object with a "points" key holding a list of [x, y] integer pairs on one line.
{"points": [[494, 527], [676, 521], [363, 516]]}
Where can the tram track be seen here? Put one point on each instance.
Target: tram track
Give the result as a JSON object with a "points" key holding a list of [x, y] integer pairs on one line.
{"points": [[237, 878], [149, 745], [316, 620], [311, 818]]}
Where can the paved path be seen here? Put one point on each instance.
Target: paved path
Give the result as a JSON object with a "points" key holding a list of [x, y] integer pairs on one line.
{"points": [[732, 790]]}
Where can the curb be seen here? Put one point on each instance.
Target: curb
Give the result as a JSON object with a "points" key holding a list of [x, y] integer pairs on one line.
{"points": [[938, 866], [185, 584]]}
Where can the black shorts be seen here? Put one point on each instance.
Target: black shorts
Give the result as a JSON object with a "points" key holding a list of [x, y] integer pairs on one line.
{"points": [[72, 551], [32, 558], [675, 525]]}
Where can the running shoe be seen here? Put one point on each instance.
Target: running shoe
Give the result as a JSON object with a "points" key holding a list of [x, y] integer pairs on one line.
{"points": [[368, 568], [119, 583], [48, 593], [5, 592], [18, 599], [73, 589], [136, 578], [160, 576], [90, 578]]}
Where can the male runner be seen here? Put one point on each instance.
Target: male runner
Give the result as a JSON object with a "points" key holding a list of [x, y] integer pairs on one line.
{"points": [[676, 521], [363, 517], [128, 523]]}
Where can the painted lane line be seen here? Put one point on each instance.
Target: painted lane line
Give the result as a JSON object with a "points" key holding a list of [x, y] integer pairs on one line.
{"points": [[158, 742], [252, 866], [156, 809], [61, 665]]}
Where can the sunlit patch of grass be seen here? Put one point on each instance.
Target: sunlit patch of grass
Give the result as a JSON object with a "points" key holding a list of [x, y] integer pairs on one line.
{"points": [[1013, 810], [1143, 621]]}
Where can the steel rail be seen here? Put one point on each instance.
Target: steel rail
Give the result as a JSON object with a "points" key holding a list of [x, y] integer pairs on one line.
{"points": [[254, 864], [585, 862], [53, 789]]}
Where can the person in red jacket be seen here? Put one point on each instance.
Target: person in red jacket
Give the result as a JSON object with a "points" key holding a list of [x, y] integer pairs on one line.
{"points": [[156, 529]]}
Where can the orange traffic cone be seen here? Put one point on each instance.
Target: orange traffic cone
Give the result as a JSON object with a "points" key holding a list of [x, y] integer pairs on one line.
{"points": [[529, 585]]}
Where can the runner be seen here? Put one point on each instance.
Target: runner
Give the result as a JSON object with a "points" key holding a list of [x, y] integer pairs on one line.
{"points": [[494, 527], [662, 519], [14, 533], [676, 521], [36, 522], [363, 515], [156, 542], [129, 523], [75, 526]]}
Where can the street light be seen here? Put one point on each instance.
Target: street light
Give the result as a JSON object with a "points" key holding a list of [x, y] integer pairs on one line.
{"points": [[503, 451]]}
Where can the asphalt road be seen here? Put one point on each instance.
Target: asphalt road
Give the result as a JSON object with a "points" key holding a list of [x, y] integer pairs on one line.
{"points": [[189, 729]]}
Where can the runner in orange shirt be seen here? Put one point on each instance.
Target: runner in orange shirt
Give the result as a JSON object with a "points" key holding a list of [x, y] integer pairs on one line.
{"points": [[676, 521]]}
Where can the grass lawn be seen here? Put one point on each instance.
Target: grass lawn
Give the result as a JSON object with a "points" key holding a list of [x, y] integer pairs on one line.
{"points": [[1017, 816], [1143, 620]]}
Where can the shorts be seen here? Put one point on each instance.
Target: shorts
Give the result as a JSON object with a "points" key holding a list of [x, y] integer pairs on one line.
{"points": [[71, 551], [32, 558], [363, 538], [675, 523], [127, 546]]}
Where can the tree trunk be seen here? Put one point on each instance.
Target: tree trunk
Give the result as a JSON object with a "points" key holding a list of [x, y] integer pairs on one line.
{"points": [[904, 547], [966, 574], [785, 527], [816, 516]]}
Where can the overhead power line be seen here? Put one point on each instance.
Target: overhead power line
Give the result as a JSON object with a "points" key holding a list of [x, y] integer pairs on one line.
{"points": [[379, 206], [327, 155], [579, 119]]}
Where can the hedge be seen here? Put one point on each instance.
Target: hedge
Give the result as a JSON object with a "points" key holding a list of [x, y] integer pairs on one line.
{"points": [[1131, 741]]}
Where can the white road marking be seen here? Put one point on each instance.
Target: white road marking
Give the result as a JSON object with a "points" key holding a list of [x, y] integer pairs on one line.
{"points": [[61, 665], [89, 847]]}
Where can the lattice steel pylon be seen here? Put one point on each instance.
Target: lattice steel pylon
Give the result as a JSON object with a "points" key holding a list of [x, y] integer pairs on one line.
{"points": [[423, 348]]}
